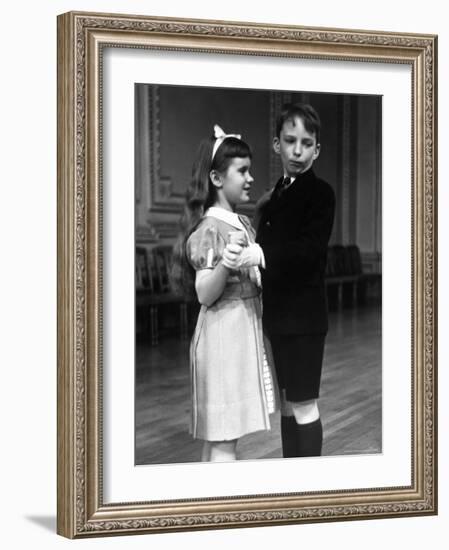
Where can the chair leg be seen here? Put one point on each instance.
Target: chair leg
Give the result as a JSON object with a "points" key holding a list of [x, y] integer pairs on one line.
{"points": [[154, 332]]}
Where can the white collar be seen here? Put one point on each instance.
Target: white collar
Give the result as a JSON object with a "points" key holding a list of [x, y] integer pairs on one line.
{"points": [[226, 216]]}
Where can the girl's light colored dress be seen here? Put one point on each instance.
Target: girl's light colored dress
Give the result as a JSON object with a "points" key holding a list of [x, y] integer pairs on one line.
{"points": [[233, 389]]}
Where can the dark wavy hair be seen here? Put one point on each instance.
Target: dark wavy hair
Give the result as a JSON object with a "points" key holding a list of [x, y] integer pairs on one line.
{"points": [[200, 195]]}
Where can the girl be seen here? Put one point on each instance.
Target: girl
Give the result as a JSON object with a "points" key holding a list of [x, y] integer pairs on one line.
{"points": [[232, 386]]}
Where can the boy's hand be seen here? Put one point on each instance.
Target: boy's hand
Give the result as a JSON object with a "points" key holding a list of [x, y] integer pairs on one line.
{"points": [[251, 255], [231, 255]]}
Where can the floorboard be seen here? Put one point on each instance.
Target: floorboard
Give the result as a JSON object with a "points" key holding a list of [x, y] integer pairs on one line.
{"points": [[350, 401]]}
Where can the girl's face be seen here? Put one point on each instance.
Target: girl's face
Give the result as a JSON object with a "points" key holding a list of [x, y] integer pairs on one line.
{"points": [[233, 185]]}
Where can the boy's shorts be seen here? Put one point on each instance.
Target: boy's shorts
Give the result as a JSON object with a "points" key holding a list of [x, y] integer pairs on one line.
{"points": [[298, 359]]}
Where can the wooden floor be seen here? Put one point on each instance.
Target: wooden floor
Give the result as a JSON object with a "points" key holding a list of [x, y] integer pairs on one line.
{"points": [[350, 402]]}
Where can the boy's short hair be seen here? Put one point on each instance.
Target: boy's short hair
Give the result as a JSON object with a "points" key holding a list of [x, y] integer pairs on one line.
{"points": [[305, 112]]}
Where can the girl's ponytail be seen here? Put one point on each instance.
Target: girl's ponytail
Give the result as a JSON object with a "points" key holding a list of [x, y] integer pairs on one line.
{"points": [[199, 196]]}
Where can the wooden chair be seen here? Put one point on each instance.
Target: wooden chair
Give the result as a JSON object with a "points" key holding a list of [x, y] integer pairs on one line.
{"points": [[364, 279], [157, 293], [345, 279], [341, 282]]}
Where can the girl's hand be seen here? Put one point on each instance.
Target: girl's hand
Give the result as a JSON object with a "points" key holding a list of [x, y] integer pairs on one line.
{"points": [[231, 256]]}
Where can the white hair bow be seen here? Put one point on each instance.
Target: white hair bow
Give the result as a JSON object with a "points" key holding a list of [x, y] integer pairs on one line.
{"points": [[220, 136]]}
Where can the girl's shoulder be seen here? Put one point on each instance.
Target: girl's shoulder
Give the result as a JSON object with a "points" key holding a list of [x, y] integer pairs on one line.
{"points": [[207, 222], [214, 224], [206, 226]]}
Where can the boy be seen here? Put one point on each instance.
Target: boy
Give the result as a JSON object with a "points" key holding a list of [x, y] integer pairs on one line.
{"points": [[294, 225]]}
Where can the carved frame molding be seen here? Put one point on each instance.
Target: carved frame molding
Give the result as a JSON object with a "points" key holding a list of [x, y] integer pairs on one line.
{"points": [[81, 511]]}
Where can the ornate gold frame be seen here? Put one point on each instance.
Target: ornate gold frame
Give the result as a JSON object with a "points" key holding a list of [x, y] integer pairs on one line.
{"points": [[81, 37]]}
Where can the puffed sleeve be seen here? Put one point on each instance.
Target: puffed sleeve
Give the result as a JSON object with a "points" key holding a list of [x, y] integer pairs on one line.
{"points": [[204, 247]]}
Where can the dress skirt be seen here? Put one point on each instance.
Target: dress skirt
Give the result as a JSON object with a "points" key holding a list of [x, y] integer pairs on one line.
{"points": [[233, 389]]}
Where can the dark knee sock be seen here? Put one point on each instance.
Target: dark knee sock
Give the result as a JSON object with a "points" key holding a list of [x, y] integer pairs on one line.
{"points": [[288, 435], [309, 438]]}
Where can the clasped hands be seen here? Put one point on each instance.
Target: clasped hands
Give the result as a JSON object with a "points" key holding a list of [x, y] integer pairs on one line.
{"points": [[239, 253]]}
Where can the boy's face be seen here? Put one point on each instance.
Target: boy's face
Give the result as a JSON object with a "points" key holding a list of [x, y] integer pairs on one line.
{"points": [[297, 147]]}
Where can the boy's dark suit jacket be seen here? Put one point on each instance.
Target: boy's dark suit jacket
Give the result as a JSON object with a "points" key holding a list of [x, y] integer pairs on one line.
{"points": [[293, 231]]}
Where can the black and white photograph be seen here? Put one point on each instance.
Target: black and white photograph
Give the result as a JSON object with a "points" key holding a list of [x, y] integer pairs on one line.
{"points": [[246, 283], [258, 274]]}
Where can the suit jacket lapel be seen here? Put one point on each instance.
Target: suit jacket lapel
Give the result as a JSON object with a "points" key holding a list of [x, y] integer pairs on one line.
{"points": [[296, 189]]}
